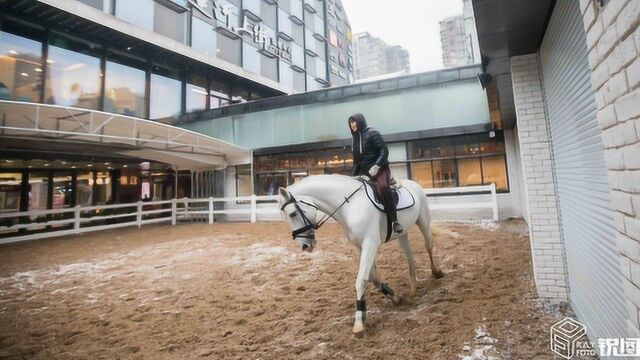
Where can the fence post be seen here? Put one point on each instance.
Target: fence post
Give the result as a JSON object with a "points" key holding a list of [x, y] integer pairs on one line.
{"points": [[76, 219], [210, 210], [139, 214], [253, 208], [174, 208], [494, 201]]}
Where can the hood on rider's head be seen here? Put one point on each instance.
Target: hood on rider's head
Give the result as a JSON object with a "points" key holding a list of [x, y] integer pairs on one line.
{"points": [[360, 121]]}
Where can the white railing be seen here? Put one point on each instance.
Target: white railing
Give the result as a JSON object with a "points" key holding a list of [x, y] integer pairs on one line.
{"points": [[80, 219], [456, 191]]}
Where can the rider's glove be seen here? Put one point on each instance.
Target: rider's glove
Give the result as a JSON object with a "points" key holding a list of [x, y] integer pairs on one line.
{"points": [[374, 170]]}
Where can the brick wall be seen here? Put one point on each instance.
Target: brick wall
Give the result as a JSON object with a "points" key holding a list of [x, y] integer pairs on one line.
{"points": [[547, 249], [613, 40]]}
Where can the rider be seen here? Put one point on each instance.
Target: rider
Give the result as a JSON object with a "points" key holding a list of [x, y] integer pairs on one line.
{"points": [[370, 157]]}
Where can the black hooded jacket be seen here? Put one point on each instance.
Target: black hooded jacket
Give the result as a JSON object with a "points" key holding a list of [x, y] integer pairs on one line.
{"points": [[367, 146]]}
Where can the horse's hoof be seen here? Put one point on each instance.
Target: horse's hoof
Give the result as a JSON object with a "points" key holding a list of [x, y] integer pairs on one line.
{"points": [[358, 334], [438, 274]]}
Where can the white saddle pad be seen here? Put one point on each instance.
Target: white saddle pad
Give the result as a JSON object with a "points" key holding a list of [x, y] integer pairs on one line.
{"points": [[405, 200]]}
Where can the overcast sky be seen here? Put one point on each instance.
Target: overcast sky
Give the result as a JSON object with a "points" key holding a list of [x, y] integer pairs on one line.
{"points": [[412, 24]]}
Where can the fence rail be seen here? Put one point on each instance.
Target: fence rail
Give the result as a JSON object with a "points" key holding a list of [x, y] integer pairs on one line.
{"points": [[81, 219]]}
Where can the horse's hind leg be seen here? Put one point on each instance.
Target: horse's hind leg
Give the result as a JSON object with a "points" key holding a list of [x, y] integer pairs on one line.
{"points": [[406, 247], [424, 225], [383, 287]]}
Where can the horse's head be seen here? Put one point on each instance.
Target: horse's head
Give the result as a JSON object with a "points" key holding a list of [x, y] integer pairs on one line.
{"points": [[300, 215]]}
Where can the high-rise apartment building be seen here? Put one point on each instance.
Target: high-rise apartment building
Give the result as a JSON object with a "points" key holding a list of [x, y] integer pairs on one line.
{"points": [[459, 38], [374, 57]]}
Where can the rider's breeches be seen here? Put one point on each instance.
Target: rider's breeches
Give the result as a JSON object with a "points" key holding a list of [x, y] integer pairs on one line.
{"points": [[382, 181]]}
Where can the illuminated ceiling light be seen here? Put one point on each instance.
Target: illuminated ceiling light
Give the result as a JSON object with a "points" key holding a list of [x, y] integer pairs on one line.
{"points": [[90, 165], [46, 164], [13, 52], [64, 162], [128, 48], [107, 163], [124, 166], [38, 70], [29, 166], [24, 74], [73, 166], [49, 61], [74, 67]]}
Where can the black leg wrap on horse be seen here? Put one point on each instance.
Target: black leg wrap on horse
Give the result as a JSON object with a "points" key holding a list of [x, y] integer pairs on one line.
{"points": [[361, 305], [386, 290]]}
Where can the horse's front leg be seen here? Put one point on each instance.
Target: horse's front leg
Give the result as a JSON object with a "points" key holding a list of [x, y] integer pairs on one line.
{"points": [[367, 259]]}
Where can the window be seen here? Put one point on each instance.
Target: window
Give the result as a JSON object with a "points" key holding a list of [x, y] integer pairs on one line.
{"points": [[298, 81], [243, 180], [139, 12], [38, 190], [170, 23], [268, 14], [73, 74], [124, 90], [422, 174], [469, 171], [286, 74], [297, 33], [165, 97], [495, 171], [444, 173], [84, 188], [98, 4], [21, 64], [250, 58], [218, 94], [229, 49], [196, 96], [102, 188], [269, 67], [203, 37], [10, 192], [475, 159]]}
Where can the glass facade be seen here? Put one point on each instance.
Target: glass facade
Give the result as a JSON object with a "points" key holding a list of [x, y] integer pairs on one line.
{"points": [[125, 90], [74, 77], [459, 161], [165, 98], [433, 163], [10, 191], [20, 68], [196, 93]]}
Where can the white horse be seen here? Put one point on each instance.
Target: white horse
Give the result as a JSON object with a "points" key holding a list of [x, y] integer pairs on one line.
{"points": [[344, 199]]}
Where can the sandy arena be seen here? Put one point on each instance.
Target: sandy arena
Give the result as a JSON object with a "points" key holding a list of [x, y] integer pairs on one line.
{"points": [[242, 291]]}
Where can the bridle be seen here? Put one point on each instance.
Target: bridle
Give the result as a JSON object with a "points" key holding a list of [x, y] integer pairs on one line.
{"points": [[308, 224]]}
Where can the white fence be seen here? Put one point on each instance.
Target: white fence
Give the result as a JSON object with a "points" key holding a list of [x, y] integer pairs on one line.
{"points": [[80, 219]]}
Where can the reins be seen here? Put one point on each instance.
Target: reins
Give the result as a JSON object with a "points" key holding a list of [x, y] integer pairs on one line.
{"points": [[308, 223]]}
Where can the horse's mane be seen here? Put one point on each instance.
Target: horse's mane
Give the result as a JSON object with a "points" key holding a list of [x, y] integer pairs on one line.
{"points": [[324, 177]]}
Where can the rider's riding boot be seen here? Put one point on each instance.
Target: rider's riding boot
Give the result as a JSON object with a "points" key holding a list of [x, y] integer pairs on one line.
{"points": [[397, 228]]}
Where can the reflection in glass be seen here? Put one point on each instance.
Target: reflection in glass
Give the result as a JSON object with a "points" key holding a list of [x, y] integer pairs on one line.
{"points": [[203, 37], [62, 190], [170, 23], [38, 190], [102, 188], [73, 79], [494, 170], [21, 68], [124, 90], [10, 191], [196, 94], [84, 188], [421, 173], [243, 180], [165, 97], [469, 172], [444, 173]]}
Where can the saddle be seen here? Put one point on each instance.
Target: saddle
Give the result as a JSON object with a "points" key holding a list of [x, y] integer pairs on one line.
{"points": [[402, 198]]}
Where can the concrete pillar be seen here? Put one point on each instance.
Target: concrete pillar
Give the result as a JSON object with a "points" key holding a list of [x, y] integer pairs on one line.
{"points": [[547, 248]]}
